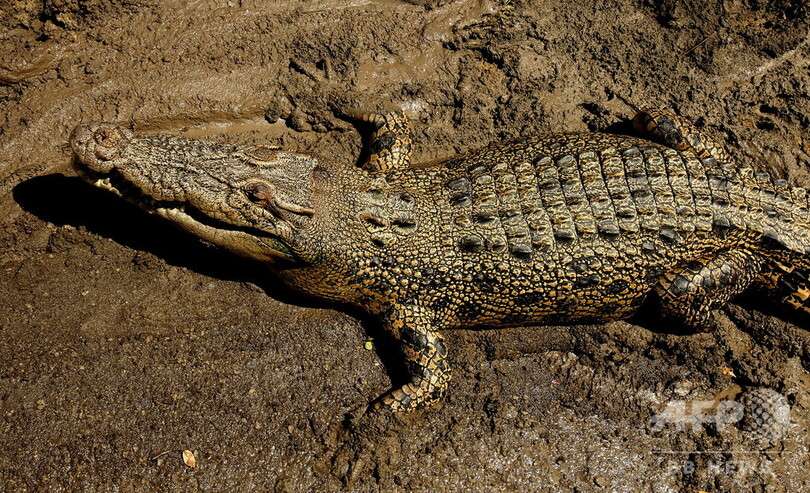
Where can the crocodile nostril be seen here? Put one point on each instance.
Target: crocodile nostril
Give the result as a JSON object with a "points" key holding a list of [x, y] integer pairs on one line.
{"points": [[107, 137]]}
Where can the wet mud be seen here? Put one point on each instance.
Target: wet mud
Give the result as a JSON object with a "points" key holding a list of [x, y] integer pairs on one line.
{"points": [[124, 342]]}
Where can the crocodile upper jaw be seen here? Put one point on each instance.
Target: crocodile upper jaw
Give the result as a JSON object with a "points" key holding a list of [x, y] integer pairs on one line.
{"points": [[95, 162]]}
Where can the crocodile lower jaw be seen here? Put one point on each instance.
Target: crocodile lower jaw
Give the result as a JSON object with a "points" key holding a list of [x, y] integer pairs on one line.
{"points": [[179, 213]]}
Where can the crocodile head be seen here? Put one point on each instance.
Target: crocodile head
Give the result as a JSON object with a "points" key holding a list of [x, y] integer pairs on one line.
{"points": [[253, 201]]}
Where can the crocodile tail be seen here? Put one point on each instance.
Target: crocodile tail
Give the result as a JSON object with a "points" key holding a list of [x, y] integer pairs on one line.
{"points": [[781, 214]]}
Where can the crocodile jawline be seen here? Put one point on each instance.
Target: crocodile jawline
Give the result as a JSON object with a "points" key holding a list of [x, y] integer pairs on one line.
{"points": [[117, 184]]}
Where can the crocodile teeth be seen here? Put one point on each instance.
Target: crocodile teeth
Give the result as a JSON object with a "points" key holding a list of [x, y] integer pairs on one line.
{"points": [[106, 185], [132, 194], [172, 211]]}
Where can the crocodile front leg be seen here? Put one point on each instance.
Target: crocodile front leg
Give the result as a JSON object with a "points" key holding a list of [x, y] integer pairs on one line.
{"points": [[389, 145], [426, 358]]}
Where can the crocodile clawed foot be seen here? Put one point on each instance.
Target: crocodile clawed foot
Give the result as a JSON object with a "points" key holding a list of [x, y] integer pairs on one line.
{"points": [[410, 397]]}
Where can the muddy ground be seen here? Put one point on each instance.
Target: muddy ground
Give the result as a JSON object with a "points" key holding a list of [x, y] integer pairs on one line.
{"points": [[124, 342]]}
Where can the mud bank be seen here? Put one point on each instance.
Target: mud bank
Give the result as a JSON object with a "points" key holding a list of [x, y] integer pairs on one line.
{"points": [[124, 342]]}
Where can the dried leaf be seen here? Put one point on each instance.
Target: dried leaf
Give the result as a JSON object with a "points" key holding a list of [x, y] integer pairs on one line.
{"points": [[189, 459]]}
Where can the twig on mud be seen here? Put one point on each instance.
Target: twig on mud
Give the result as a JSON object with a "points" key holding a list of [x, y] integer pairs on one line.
{"points": [[690, 50], [161, 454]]}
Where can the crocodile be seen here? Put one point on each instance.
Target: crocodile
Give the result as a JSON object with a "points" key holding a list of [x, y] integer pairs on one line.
{"points": [[558, 228]]}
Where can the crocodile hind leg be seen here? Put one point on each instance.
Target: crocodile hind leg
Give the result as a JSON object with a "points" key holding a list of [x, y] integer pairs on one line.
{"points": [[426, 358], [678, 133], [389, 145], [690, 293]]}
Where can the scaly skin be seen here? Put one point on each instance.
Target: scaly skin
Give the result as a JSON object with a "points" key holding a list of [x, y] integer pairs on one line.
{"points": [[553, 229]]}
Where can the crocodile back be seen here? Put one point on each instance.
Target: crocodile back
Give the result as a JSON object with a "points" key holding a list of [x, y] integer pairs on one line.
{"points": [[562, 192]]}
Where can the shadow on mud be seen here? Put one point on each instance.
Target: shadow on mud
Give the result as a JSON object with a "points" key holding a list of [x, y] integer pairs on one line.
{"points": [[63, 200]]}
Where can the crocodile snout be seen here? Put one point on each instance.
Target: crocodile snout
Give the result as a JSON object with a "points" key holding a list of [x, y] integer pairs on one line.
{"points": [[96, 144]]}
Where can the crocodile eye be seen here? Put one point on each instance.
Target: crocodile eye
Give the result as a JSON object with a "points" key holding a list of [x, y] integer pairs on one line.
{"points": [[258, 192]]}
